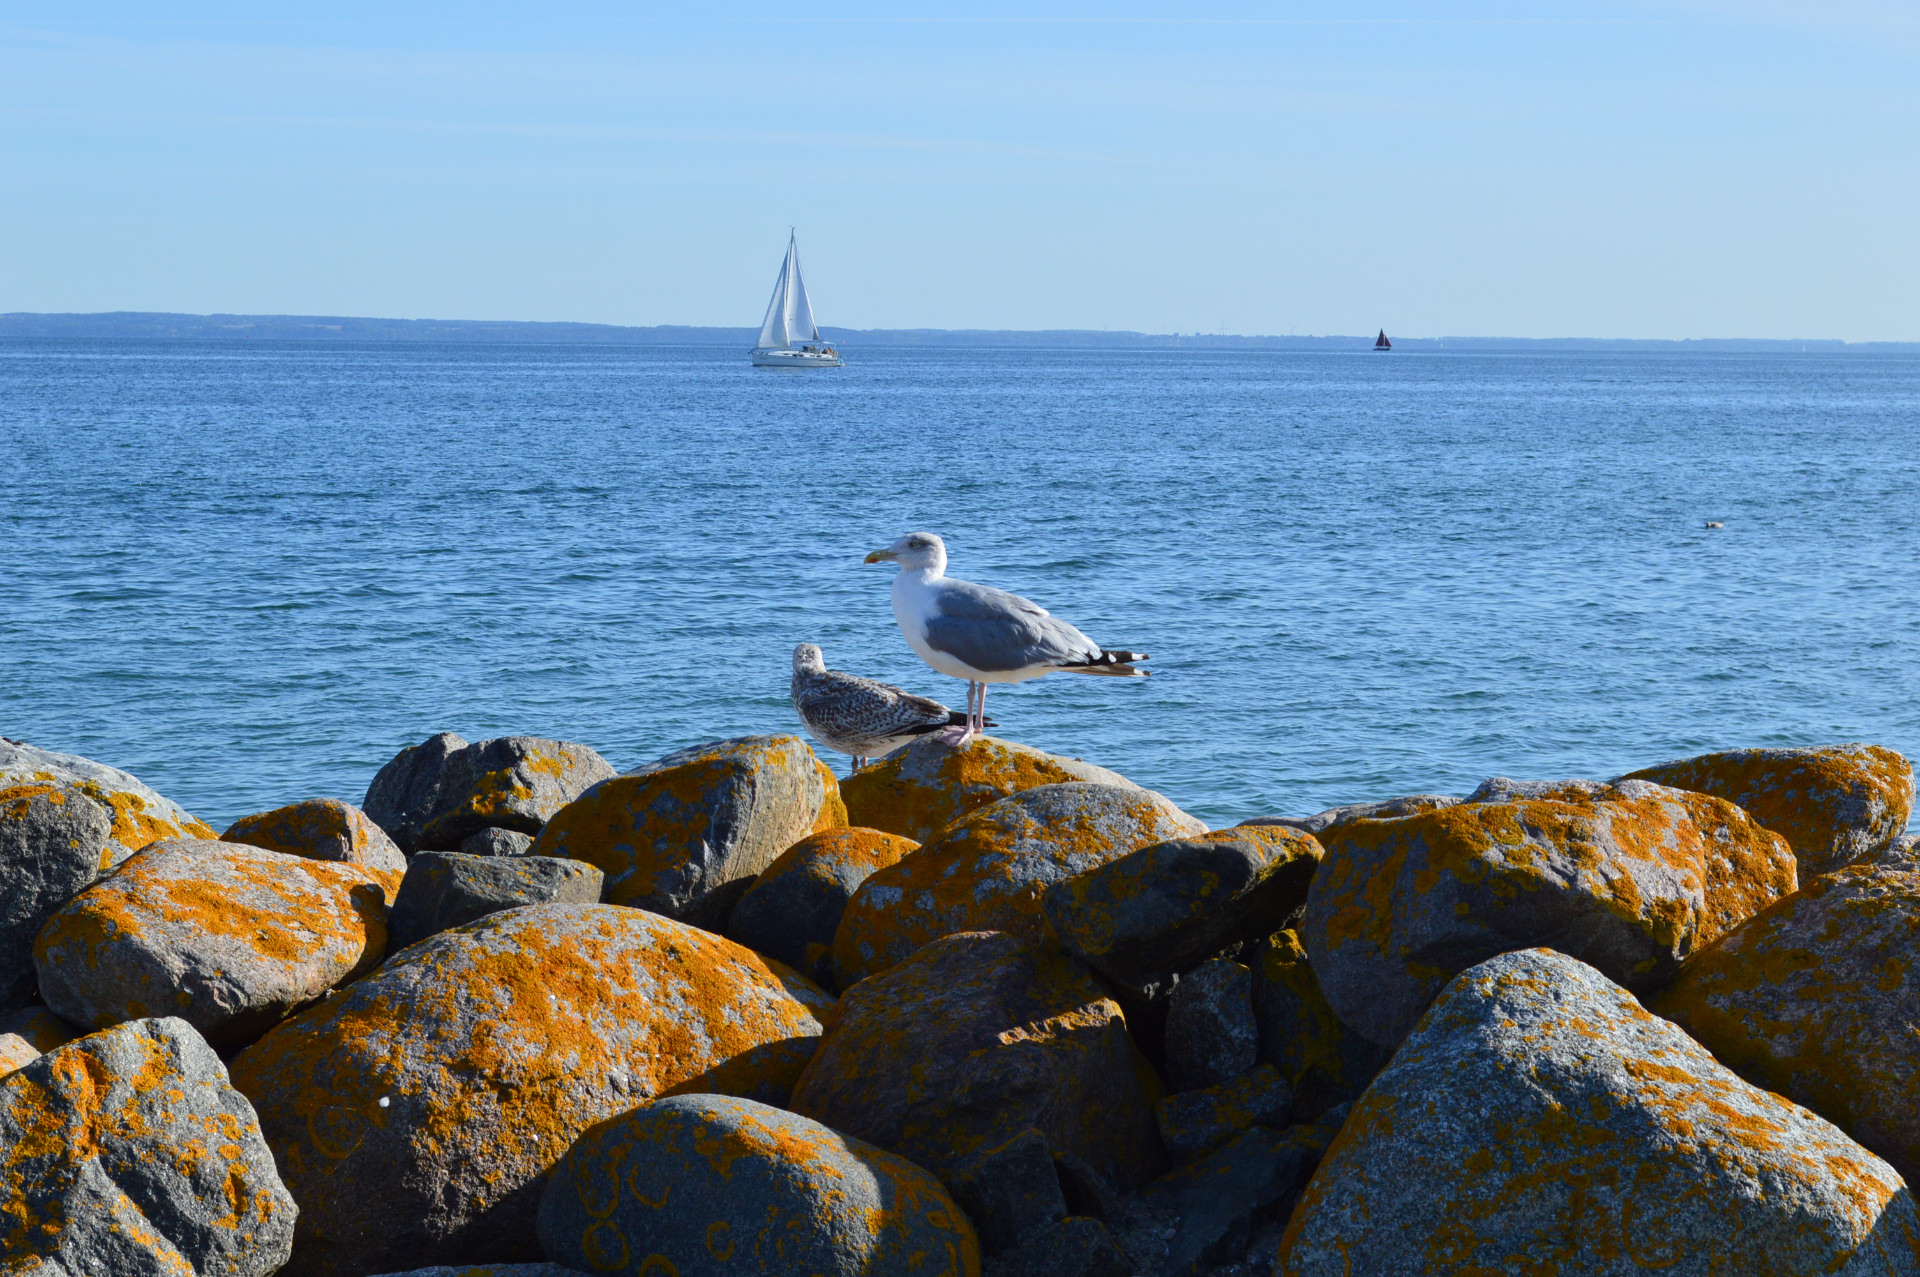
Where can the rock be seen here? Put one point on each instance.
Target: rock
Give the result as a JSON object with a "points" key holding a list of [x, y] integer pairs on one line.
{"points": [[920, 790], [1631, 878], [53, 842], [972, 1040], [1194, 1123], [228, 937], [1010, 1191], [712, 1186], [127, 1152], [988, 872], [497, 842], [1144, 917], [1816, 997], [1326, 1062], [443, 790], [798, 899], [1834, 805], [324, 829], [492, 1270], [1211, 1034], [1334, 817], [29, 1033], [444, 889], [140, 816], [1086, 1190], [1537, 1110], [416, 1112], [1071, 1248], [673, 832]]}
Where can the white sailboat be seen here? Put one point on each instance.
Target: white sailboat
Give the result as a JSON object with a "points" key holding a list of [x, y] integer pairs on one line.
{"points": [[789, 338]]}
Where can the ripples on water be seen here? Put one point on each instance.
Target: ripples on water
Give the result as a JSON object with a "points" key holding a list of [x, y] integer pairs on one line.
{"points": [[250, 574]]}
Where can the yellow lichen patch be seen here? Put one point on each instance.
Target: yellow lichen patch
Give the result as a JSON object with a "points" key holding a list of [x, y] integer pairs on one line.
{"points": [[833, 808], [324, 829], [860, 850], [920, 790]]}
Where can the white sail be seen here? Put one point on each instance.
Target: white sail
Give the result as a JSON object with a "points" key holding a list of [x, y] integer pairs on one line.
{"points": [[789, 313]]}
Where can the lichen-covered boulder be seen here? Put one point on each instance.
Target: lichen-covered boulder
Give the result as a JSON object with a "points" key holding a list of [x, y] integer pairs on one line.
{"points": [[1333, 817], [1631, 878], [920, 790], [1834, 804], [416, 1112], [713, 1186], [975, 1038], [230, 938], [29, 1033], [1816, 997], [140, 816], [1194, 1123], [1009, 1191], [324, 829], [444, 889], [433, 795], [1326, 1062], [53, 840], [1145, 917], [127, 1152], [1211, 1035], [990, 871], [1538, 1111], [671, 834], [794, 907]]}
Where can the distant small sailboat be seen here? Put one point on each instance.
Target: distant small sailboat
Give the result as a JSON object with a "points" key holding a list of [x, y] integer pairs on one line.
{"points": [[789, 338], [1382, 343]]}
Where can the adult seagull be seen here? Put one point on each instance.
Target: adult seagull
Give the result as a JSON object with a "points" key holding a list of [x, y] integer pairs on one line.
{"points": [[861, 716], [984, 635]]}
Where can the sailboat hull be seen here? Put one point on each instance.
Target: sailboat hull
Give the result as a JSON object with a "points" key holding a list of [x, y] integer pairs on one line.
{"points": [[796, 359]]}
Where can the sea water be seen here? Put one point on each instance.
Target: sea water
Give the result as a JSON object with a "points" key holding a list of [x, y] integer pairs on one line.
{"points": [[250, 573]]}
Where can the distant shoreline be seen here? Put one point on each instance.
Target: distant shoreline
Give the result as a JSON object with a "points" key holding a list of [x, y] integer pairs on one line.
{"points": [[148, 325]]}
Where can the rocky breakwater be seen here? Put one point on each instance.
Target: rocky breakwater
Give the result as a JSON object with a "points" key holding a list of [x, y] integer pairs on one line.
{"points": [[981, 1011]]}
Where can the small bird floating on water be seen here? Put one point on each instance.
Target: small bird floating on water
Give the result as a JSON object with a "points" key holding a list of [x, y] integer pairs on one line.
{"points": [[984, 635], [861, 716], [1712, 524]]}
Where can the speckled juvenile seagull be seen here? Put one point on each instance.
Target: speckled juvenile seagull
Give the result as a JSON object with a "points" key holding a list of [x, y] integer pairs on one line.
{"points": [[982, 634], [860, 716]]}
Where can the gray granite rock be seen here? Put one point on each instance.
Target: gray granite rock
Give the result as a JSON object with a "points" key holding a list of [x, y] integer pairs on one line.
{"points": [[716, 1186], [323, 829], [1076, 1247], [1009, 1191], [128, 1153], [497, 842], [404, 793], [444, 889], [53, 838], [1194, 1123], [794, 906], [491, 1270], [1211, 1034], [141, 817], [1327, 1062], [1333, 817], [433, 795]]}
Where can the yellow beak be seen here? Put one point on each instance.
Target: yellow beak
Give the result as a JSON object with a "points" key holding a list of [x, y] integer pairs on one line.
{"points": [[881, 556]]}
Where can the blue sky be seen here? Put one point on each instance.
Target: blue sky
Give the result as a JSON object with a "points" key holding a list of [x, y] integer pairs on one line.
{"points": [[1734, 169]]}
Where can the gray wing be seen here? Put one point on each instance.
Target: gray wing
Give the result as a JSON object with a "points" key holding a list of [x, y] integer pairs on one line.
{"points": [[993, 631], [848, 705]]}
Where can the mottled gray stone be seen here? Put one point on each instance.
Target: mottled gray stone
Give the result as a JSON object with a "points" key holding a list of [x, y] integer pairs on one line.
{"points": [[433, 795], [719, 1186], [1077, 1247], [794, 907], [1009, 1191], [127, 1153], [141, 817], [1211, 1033], [404, 793], [1194, 1123], [52, 840], [444, 889], [497, 842], [492, 1270], [1334, 817], [322, 829]]}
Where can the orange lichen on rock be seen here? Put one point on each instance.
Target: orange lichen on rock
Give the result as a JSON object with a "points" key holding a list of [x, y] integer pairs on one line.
{"points": [[793, 908], [1539, 1121], [1835, 804], [29, 1033], [672, 833], [1817, 997], [715, 1184], [230, 938], [1631, 877], [325, 829], [141, 817], [989, 871], [920, 790], [1327, 1062], [414, 1112]]}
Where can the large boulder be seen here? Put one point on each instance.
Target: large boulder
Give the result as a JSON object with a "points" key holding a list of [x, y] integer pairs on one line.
{"points": [[1834, 805], [975, 1038], [324, 829], [416, 1112], [228, 937], [1816, 997], [127, 1152], [676, 832], [990, 871], [140, 816], [433, 795], [1326, 1062], [794, 907], [713, 1186], [1631, 878], [1142, 919], [444, 889], [1538, 1111], [921, 789], [53, 842]]}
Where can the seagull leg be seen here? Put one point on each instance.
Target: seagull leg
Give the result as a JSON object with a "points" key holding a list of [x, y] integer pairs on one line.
{"points": [[980, 712]]}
